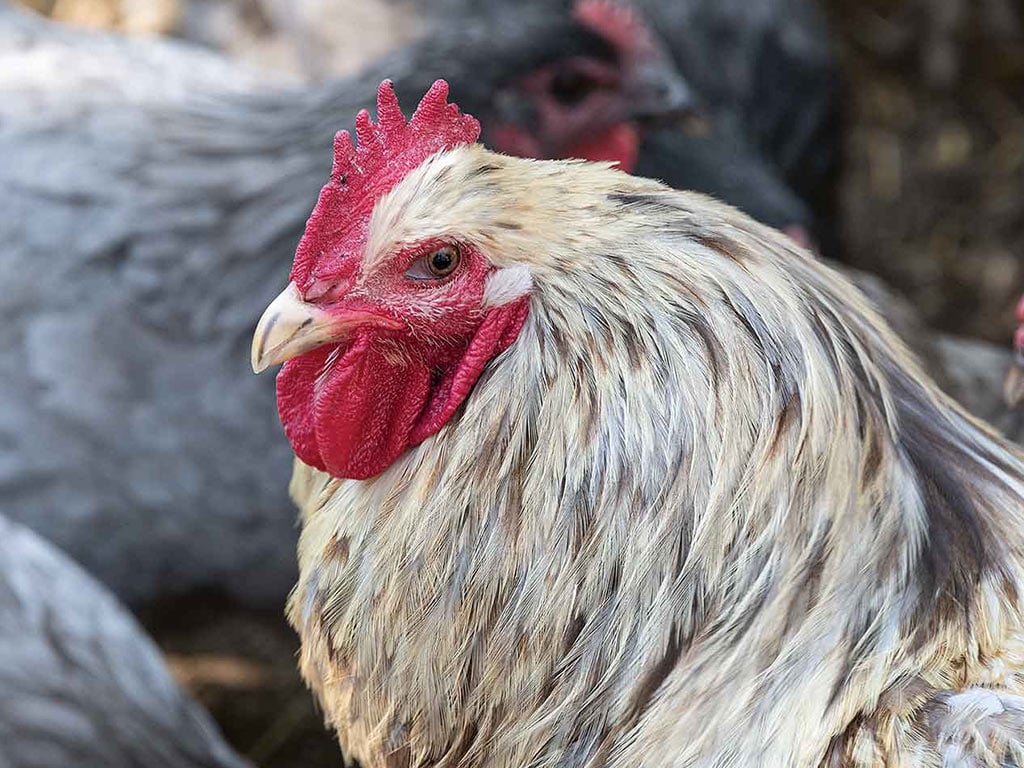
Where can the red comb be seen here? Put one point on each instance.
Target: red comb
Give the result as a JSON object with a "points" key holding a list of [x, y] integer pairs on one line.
{"points": [[385, 153], [618, 24], [435, 125]]}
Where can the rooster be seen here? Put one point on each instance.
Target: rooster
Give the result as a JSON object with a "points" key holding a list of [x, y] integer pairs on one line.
{"points": [[596, 472], [80, 682], [150, 196]]}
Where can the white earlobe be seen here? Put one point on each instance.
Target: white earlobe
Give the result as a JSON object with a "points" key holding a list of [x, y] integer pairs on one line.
{"points": [[507, 285]]}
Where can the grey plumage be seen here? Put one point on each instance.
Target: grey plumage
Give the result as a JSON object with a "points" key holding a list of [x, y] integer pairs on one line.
{"points": [[151, 196], [80, 683]]}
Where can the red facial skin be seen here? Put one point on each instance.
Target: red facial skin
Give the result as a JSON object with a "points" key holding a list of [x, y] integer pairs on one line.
{"points": [[618, 144], [584, 107], [352, 408], [593, 122], [415, 347]]}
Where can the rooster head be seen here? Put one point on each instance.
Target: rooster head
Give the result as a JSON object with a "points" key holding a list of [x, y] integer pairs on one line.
{"points": [[383, 335], [592, 105]]}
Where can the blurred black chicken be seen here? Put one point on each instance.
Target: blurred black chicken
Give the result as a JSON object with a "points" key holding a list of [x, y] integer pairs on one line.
{"points": [[768, 88], [768, 83], [151, 196], [765, 70]]}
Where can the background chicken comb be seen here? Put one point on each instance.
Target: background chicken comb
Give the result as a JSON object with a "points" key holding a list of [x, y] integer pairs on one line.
{"points": [[384, 153], [617, 23]]}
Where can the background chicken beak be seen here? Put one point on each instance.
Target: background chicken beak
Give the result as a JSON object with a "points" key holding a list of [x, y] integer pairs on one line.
{"points": [[289, 327], [658, 92]]}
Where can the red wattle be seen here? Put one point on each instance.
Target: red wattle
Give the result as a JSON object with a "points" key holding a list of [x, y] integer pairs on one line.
{"points": [[352, 411], [295, 383], [514, 141], [366, 407], [619, 143]]}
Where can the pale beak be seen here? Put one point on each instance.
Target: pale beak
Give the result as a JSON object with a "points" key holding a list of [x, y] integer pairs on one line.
{"points": [[290, 327]]}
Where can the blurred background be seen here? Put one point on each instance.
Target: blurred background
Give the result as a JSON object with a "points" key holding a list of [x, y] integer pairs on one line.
{"points": [[933, 115], [927, 193]]}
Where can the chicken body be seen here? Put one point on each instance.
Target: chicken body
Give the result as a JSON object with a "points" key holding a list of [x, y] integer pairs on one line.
{"points": [[80, 682], [150, 198], [704, 511]]}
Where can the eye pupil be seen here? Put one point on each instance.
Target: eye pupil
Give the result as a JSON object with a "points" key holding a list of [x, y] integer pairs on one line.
{"points": [[569, 87], [443, 261]]}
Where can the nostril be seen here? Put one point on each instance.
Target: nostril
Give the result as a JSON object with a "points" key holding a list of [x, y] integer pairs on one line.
{"points": [[326, 289], [671, 96], [661, 90]]}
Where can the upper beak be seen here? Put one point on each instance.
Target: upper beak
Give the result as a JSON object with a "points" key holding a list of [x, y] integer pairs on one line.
{"points": [[289, 327]]}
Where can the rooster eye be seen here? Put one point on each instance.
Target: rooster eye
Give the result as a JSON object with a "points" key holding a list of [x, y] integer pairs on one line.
{"points": [[436, 264]]}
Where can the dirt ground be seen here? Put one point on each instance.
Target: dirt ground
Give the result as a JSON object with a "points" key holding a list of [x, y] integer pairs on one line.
{"points": [[932, 192], [242, 666], [931, 198]]}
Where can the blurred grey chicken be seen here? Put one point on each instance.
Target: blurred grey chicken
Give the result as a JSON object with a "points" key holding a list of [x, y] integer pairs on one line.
{"points": [[80, 682], [151, 196]]}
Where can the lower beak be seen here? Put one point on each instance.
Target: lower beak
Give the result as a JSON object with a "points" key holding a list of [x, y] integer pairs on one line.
{"points": [[289, 327]]}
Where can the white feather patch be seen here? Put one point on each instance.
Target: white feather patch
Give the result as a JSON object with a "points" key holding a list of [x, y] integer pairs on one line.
{"points": [[507, 285]]}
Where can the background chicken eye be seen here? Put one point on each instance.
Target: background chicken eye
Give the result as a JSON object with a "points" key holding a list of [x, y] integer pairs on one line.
{"points": [[570, 87], [436, 264]]}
